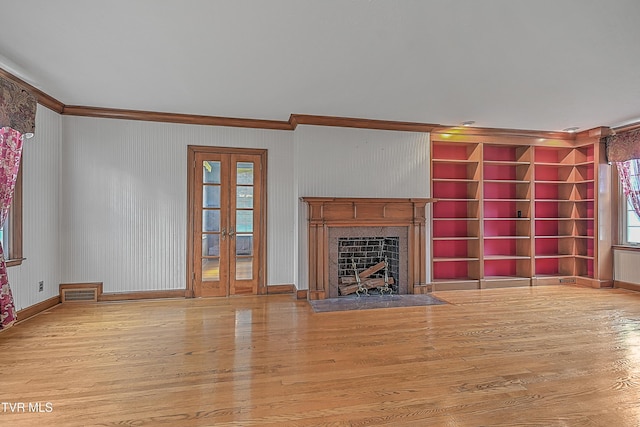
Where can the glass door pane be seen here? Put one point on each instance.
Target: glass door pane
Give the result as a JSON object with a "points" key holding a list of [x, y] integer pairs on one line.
{"points": [[211, 230], [244, 220]]}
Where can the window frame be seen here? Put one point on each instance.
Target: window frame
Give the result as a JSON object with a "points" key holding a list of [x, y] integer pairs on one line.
{"points": [[623, 209], [15, 256]]}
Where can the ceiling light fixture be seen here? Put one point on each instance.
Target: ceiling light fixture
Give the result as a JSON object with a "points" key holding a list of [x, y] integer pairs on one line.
{"points": [[571, 129], [468, 123]]}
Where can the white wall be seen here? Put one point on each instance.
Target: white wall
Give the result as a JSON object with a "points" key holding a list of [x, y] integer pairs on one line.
{"points": [[41, 214], [625, 266], [124, 196], [345, 162]]}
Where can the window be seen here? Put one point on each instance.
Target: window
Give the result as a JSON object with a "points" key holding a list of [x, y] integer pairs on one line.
{"points": [[632, 228], [12, 229], [630, 222]]}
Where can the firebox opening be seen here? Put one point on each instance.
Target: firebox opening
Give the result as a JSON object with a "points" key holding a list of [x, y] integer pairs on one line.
{"points": [[368, 265]]}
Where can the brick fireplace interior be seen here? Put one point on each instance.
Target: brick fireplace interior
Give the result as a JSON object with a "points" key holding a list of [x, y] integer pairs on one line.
{"points": [[363, 245]]}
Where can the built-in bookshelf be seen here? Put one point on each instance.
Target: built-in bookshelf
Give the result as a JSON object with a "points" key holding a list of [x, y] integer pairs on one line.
{"points": [[513, 214], [585, 211], [506, 215], [456, 171]]}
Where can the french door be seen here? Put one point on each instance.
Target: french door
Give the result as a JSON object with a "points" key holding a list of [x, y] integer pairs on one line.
{"points": [[227, 221]]}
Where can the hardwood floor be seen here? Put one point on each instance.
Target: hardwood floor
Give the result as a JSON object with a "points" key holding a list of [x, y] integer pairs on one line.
{"points": [[542, 356]]}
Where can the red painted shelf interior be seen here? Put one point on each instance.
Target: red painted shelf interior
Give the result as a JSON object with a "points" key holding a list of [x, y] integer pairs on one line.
{"points": [[451, 270], [563, 209]]}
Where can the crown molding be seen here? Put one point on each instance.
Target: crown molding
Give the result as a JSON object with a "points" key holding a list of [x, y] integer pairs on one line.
{"points": [[306, 119], [151, 116], [501, 133], [627, 127], [496, 134]]}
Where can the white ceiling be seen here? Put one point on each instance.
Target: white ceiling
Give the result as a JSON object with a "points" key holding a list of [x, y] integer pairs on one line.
{"points": [[522, 64]]}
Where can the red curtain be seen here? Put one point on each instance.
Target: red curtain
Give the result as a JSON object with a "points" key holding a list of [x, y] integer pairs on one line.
{"points": [[628, 172], [10, 153]]}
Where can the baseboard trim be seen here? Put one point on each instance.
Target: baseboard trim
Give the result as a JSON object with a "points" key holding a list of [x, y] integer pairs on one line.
{"points": [[626, 285], [302, 294], [594, 283], [280, 289], [31, 311], [127, 296]]}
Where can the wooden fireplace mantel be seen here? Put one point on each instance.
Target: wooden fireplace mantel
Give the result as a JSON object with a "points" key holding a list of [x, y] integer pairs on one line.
{"points": [[326, 212]]}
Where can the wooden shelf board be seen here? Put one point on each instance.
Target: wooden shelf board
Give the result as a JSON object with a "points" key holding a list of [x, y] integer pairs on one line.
{"points": [[505, 237], [466, 181], [566, 236], [554, 219], [558, 182], [455, 161], [455, 238], [558, 256], [505, 163], [585, 257], [448, 259], [553, 276], [566, 165], [506, 181], [504, 257], [456, 219], [584, 237], [444, 199], [506, 219], [507, 200]]}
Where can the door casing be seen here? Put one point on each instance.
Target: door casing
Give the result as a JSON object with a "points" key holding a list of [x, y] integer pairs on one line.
{"points": [[261, 251]]}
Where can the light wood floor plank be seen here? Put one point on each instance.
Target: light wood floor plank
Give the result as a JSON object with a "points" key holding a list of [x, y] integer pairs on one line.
{"points": [[541, 356]]}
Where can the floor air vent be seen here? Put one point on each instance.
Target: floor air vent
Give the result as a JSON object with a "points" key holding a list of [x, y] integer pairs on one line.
{"points": [[80, 292]]}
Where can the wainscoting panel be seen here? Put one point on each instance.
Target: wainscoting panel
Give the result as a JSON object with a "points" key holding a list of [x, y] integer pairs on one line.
{"points": [[125, 204], [41, 214], [344, 162]]}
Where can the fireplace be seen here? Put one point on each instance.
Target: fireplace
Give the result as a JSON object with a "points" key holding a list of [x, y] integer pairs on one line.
{"points": [[344, 231]]}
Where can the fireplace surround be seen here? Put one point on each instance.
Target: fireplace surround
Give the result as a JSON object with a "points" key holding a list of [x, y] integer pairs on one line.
{"points": [[330, 218]]}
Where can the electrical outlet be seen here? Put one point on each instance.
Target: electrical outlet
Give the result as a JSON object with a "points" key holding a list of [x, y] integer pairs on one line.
{"points": [[41, 286]]}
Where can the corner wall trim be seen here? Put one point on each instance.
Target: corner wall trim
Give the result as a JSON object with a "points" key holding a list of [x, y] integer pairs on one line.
{"points": [[31, 311]]}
